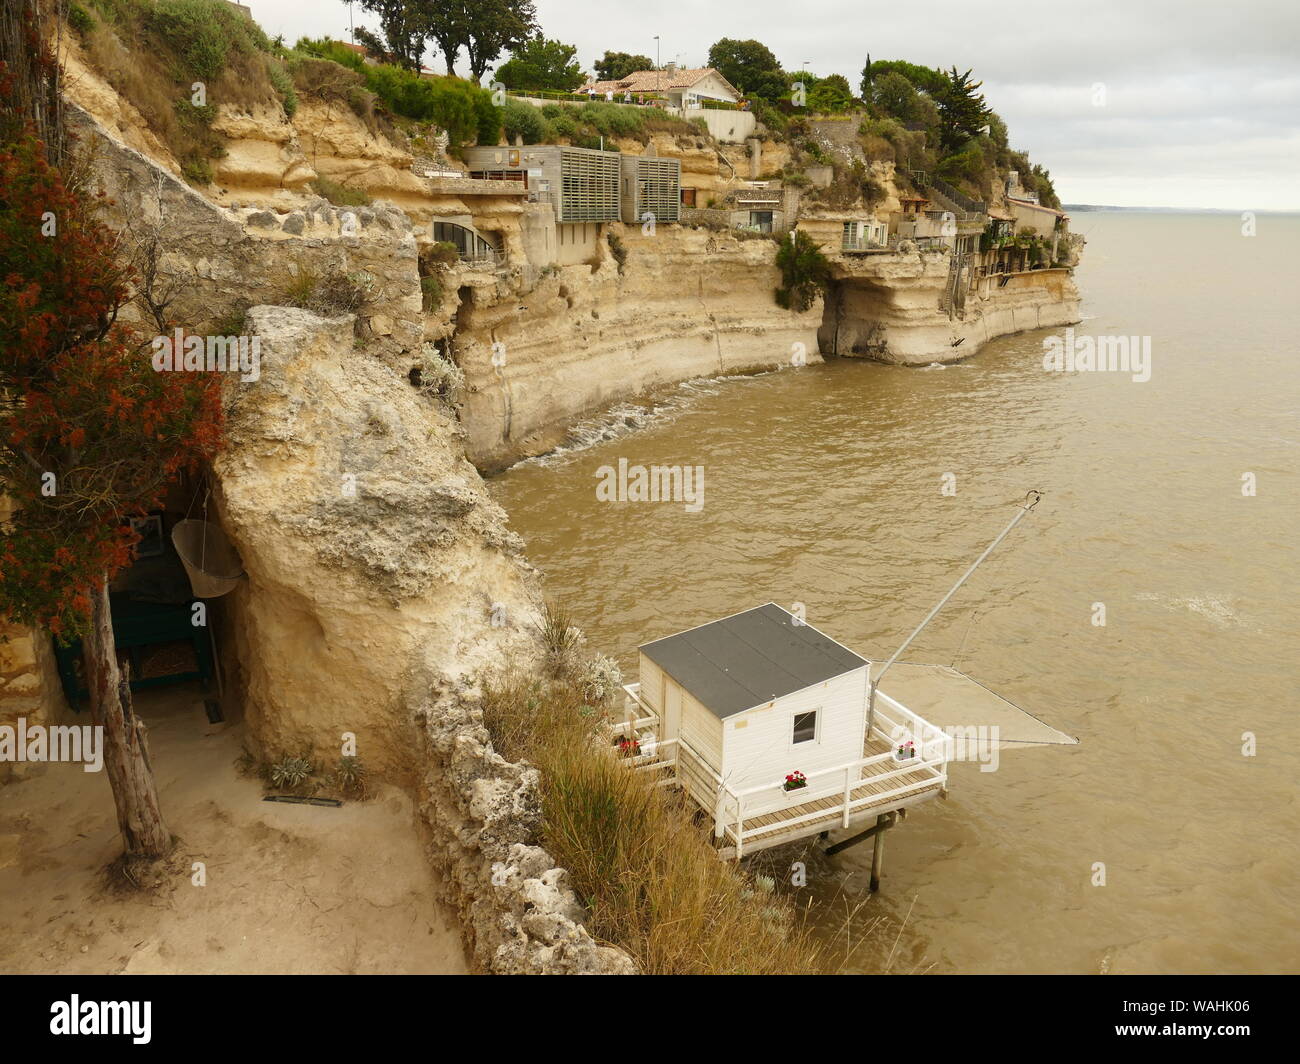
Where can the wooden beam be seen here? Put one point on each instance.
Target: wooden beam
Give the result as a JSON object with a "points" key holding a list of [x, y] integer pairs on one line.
{"points": [[862, 836]]}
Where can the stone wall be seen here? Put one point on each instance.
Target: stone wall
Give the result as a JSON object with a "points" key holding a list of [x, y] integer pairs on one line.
{"points": [[518, 914], [216, 261], [29, 683], [29, 688]]}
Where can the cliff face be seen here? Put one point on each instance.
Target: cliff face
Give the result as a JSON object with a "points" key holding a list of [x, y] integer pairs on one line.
{"points": [[376, 559], [687, 303], [889, 308], [381, 583]]}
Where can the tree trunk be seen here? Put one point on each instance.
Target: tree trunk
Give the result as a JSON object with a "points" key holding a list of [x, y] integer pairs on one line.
{"points": [[126, 749], [449, 54]]}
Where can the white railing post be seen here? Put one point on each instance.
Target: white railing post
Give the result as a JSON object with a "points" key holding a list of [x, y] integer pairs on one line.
{"points": [[740, 824], [848, 793], [719, 813]]}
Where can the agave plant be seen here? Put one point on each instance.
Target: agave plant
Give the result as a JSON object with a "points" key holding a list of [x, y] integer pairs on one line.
{"points": [[290, 772], [351, 775]]}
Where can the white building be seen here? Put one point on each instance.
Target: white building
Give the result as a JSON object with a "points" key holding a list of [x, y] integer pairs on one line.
{"points": [[685, 88], [763, 720]]}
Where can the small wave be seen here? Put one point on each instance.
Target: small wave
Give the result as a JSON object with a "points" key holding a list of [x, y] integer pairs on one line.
{"points": [[623, 419], [1213, 608]]}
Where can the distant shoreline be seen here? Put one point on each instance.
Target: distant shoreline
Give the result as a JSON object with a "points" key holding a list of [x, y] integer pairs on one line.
{"points": [[1093, 207]]}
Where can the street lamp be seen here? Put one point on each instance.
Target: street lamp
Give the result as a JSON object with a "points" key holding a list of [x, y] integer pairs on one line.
{"points": [[659, 73]]}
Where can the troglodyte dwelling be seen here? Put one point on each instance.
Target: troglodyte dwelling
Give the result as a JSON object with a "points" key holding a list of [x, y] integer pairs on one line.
{"points": [[762, 720]]}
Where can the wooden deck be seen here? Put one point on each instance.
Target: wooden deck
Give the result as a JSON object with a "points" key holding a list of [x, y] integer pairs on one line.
{"points": [[870, 798], [833, 805]]}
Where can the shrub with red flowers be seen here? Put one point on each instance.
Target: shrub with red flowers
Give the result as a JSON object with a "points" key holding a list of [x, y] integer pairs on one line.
{"points": [[90, 433]]}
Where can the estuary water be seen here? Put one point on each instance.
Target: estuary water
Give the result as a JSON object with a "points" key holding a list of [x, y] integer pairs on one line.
{"points": [[1167, 840]]}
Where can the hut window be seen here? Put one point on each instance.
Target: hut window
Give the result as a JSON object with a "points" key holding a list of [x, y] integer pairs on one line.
{"points": [[805, 727]]}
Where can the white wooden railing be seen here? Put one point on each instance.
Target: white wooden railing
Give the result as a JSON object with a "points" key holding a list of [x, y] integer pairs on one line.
{"points": [[637, 712], [895, 724]]}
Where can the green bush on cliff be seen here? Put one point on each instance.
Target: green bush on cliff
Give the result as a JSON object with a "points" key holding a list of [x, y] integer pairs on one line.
{"points": [[203, 34], [462, 108], [519, 119], [176, 61], [805, 272]]}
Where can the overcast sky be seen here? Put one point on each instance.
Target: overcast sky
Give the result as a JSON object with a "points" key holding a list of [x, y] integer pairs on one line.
{"points": [[1129, 102]]}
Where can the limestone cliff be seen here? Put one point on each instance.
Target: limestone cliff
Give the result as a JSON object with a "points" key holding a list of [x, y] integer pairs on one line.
{"points": [[686, 303], [891, 308]]}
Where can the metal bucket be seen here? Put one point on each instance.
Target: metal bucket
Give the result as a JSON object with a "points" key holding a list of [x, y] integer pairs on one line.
{"points": [[213, 566]]}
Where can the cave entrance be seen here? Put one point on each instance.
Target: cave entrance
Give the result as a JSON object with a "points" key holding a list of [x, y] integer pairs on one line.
{"points": [[854, 319], [168, 607]]}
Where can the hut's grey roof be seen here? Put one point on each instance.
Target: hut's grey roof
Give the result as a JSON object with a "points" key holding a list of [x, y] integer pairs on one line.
{"points": [[751, 658]]}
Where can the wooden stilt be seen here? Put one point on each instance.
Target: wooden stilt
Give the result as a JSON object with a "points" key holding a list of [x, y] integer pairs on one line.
{"points": [[877, 854]]}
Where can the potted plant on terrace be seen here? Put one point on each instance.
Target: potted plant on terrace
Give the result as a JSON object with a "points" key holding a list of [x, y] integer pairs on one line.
{"points": [[906, 751], [795, 781]]}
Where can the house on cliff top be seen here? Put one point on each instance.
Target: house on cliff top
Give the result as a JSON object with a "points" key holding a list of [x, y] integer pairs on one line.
{"points": [[684, 88]]}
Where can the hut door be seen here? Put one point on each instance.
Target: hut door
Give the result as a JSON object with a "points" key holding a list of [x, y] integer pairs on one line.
{"points": [[672, 709]]}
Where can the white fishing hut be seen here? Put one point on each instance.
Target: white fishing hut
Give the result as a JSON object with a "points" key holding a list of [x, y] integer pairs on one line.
{"points": [[741, 709]]}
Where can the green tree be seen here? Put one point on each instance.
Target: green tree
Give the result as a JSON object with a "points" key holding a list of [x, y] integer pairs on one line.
{"points": [[962, 110], [614, 66], [493, 27], [445, 22], [542, 64], [751, 67], [997, 131], [1042, 183], [894, 96], [805, 272], [483, 29], [924, 78], [404, 31], [830, 95]]}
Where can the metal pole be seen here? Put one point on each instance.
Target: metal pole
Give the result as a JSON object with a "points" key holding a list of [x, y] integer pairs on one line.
{"points": [[1031, 500]]}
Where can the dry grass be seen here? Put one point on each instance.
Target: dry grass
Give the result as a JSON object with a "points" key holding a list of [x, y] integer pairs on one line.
{"points": [[651, 882], [329, 290]]}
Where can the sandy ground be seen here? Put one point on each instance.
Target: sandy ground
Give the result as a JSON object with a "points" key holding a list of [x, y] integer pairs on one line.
{"points": [[290, 888]]}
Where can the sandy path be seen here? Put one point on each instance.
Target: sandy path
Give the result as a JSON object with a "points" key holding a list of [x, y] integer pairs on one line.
{"points": [[290, 888]]}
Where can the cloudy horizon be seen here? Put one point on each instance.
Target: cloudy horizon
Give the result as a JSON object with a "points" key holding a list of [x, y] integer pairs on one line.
{"points": [[1165, 104]]}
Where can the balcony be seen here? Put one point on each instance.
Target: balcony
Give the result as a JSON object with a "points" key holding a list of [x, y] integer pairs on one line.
{"points": [[861, 244]]}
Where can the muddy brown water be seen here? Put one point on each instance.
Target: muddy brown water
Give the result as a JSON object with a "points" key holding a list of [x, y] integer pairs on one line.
{"points": [[822, 485]]}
